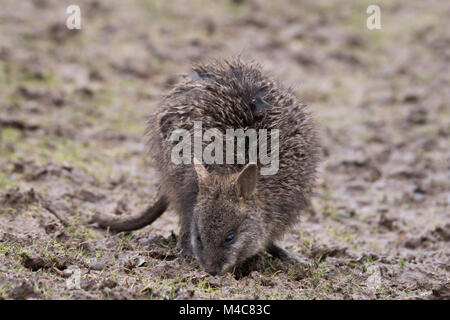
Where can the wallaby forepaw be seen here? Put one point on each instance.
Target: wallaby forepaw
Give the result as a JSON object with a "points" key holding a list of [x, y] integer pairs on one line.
{"points": [[287, 256], [184, 250], [295, 259]]}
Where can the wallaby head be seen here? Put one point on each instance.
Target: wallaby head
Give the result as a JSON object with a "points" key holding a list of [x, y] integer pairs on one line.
{"points": [[227, 228]]}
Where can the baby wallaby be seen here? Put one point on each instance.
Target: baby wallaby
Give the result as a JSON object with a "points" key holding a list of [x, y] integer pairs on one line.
{"points": [[230, 210]]}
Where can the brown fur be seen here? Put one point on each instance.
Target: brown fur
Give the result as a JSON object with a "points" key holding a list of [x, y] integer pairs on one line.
{"points": [[215, 200]]}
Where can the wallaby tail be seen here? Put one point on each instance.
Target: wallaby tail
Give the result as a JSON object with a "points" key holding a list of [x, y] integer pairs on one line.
{"points": [[133, 222]]}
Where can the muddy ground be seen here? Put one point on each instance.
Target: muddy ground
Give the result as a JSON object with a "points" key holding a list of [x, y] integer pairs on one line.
{"points": [[72, 119]]}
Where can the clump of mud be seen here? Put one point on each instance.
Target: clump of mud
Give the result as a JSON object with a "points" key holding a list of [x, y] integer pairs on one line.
{"points": [[15, 200], [35, 263]]}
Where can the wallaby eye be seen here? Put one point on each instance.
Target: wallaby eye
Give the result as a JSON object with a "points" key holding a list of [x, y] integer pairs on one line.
{"points": [[196, 234], [230, 237], [199, 241]]}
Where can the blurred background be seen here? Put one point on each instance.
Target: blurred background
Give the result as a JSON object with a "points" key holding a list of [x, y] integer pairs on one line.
{"points": [[73, 105]]}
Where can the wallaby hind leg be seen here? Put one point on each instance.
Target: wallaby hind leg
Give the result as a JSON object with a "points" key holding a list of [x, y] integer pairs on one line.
{"points": [[286, 256], [133, 222]]}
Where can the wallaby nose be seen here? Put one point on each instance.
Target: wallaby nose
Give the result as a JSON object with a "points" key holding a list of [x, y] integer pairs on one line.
{"points": [[211, 270]]}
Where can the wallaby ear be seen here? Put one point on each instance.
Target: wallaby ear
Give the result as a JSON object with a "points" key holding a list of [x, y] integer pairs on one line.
{"points": [[246, 180], [202, 173]]}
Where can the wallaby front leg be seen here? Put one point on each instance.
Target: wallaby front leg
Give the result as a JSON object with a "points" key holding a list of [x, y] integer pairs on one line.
{"points": [[184, 240], [286, 256]]}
